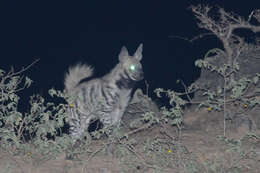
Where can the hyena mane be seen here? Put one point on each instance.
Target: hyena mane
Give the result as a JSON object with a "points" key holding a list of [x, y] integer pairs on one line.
{"points": [[104, 98]]}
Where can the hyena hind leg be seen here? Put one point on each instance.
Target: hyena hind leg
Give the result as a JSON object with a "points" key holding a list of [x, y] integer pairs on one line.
{"points": [[78, 133], [80, 129]]}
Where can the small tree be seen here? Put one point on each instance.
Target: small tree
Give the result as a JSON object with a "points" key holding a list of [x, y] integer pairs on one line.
{"points": [[232, 89]]}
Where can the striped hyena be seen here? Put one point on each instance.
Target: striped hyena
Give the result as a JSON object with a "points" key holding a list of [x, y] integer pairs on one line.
{"points": [[104, 98]]}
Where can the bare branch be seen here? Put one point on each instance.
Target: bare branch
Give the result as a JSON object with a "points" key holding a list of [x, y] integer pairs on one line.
{"points": [[223, 27], [192, 39], [26, 68]]}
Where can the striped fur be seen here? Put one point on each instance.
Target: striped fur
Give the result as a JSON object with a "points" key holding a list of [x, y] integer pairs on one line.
{"points": [[103, 98]]}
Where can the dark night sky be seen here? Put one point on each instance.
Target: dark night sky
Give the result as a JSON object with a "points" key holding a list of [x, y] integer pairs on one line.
{"points": [[61, 33]]}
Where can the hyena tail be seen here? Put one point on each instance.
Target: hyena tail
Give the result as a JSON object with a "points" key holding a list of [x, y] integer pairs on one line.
{"points": [[76, 74]]}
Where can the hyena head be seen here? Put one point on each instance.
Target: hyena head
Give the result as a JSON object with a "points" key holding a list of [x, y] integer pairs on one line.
{"points": [[131, 64]]}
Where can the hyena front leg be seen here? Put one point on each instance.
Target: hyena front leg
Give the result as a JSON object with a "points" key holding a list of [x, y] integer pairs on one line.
{"points": [[111, 122], [77, 128]]}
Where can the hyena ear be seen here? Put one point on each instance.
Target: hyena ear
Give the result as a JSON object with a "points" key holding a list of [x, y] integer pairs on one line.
{"points": [[123, 54], [138, 54]]}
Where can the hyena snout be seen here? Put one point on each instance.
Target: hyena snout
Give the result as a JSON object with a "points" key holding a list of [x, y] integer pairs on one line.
{"points": [[140, 76], [137, 75]]}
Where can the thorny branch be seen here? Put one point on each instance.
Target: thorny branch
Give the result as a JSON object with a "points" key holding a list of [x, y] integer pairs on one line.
{"points": [[11, 74], [224, 25]]}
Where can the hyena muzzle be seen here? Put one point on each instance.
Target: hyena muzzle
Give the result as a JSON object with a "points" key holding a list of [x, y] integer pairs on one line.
{"points": [[104, 98]]}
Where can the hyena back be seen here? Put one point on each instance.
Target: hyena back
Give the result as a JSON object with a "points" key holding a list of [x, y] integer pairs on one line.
{"points": [[103, 98]]}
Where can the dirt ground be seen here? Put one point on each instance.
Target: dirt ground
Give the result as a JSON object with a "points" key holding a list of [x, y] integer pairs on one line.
{"points": [[199, 147]]}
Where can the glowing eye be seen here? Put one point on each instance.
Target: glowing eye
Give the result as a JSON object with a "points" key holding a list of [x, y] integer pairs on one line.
{"points": [[132, 67]]}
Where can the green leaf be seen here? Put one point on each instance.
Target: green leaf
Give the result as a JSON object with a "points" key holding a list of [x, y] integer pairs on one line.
{"points": [[52, 92], [219, 90], [255, 79], [28, 82], [198, 63]]}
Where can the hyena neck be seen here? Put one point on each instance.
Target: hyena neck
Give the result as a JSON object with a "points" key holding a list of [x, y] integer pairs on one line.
{"points": [[121, 79], [125, 83]]}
